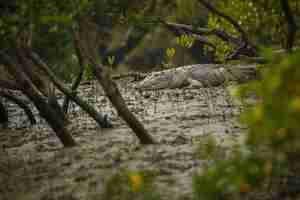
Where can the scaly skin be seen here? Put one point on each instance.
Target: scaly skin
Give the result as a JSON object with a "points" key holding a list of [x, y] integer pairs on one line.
{"points": [[201, 75]]}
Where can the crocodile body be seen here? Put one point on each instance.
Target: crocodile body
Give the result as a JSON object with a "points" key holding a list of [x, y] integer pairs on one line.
{"points": [[200, 75]]}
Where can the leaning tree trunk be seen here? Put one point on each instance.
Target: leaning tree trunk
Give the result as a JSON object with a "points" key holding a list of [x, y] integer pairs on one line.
{"points": [[118, 102], [115, 97], [53, 102], [78, 79], [45, 110], [49, 114], [102, 121], [112, 92], [40, 81], [21, 104]]}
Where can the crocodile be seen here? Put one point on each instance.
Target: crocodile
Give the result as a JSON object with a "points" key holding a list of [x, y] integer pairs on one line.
{"points": [[199, 75]]}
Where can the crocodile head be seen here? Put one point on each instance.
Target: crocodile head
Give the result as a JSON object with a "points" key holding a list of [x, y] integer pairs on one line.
{"points": [[155, 81], [163, 80]]}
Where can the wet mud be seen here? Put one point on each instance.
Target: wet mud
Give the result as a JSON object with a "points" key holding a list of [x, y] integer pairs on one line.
{"points": [[35, 166]]}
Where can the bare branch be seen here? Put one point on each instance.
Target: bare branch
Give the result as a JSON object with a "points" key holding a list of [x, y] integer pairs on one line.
{"points": [[211, 8], [242, 48], [246, 44]]}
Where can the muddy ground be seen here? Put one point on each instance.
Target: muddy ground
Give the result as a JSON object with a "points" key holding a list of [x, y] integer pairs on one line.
{"points": [[35, 166]]}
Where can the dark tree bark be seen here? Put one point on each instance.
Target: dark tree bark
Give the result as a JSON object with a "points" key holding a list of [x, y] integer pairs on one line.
{"points": [[5, 82], [50, 115], [21, 104], [243, 48], [101, 120], [53, 102], [292, 27], [32, 72], [45, 110], [40, 81], [118, 102], [3, 116], [114, 95]]}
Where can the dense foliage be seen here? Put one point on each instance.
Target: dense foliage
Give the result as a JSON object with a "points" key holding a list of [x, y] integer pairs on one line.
{"points": [[272, 143], [262, 20]]}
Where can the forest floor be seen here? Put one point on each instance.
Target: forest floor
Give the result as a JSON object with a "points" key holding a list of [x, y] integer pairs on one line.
{"points": [[35, 166]]}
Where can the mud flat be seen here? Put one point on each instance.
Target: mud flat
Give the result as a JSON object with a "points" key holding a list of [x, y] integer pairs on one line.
{"points": [[34, 165]]}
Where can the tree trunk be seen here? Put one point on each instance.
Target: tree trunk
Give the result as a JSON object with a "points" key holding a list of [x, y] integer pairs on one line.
{"points": [[45, 110], [40, 81], [102, 121], [90, 51], [50, 115], [21, 104], [118, 102], [78, 79], [53, 102]]}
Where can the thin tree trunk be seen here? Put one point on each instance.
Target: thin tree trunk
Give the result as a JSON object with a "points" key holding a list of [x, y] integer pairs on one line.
{"points": [[102, 121], [35, 76], [115, 97], [53, 102], [78, 79], [292, 27], [21, 104], [118, 102], [41, 82], [45, 110], [49, 114]]}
